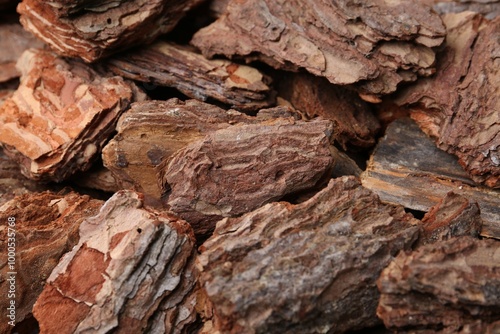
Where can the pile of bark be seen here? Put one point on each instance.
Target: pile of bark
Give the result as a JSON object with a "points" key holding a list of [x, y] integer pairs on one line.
{"points": [[251, 166]]}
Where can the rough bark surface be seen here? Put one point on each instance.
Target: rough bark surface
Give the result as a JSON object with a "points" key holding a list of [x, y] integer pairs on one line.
{"points": [[376, 43], [441, 287], [14, 40], [353, 122], [400, 172], [240, 168], [46, 227], [464, 121], [92, 29], [453, 216], [61, 114], [149, 132], [131, 272], [489, 8], [166, 64], [304, 268]]}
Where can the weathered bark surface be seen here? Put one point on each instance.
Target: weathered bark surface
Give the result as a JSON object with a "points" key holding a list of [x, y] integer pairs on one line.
{"points": [[149, 132], [46, 228], [61, 114], [401, 172], [453, 216], [131, 272], [353, 122], [92, 29], [166, 64], [14, 40], [240, 168], [465, 120], [376, 43], [304, 268], [442, 286], [12, 182], [489, 8]]}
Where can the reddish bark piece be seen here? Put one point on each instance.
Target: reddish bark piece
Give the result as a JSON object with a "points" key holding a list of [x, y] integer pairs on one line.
{"points": [[58, 119], [149, 132], [442, 287], [465, 120], [14, 40], [304, 268], [131, 272], [92, 30], [46, 227], [353, 122], [240, 168], [453, 216], [166, 64], [376, 43]]}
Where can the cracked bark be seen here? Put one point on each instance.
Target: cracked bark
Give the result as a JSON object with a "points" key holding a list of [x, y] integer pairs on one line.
{"points": [[91, 30], [235, 170], [464, 121], [374, 45], [132, 271], [302, 268], [46, 228], [166, 64]]}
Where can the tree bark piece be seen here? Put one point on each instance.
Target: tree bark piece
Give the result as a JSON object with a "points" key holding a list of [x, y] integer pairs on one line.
{"points": [[400, 172], [14, 40], [92, 30], [166, 64], [46, 227], [469, 62], [442, 287], [453, 216], [489, 8], [353, 122], [304, 268], [375, 43], [61, 114], [131, 272], [240, 168], [149, 132]]}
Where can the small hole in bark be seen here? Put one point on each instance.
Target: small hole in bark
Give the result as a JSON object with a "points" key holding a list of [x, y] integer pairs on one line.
{"points": [[139, 230], [109, 21]]}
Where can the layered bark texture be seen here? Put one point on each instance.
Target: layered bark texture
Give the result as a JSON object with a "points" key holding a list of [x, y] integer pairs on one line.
{"points": [[465, 120], [407, 168], [46, 227], [304, 268], [14, 40], [445, 287], [489, 8], [150, 132], [240, 168], [61, 114], [376, 44], [92, 29], [353, 122], [166, 64], [131, 272]]}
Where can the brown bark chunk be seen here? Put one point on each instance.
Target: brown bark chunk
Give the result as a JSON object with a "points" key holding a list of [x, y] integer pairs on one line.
{"points": [[61, 114], [465, 120], [46, 227], [442, 286], [166, 64], [376, 43], [92, 29], [353, 122], [304, 268], [407, 168], [240, 168], [131, 272], [149, 132], [453, 216]]}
